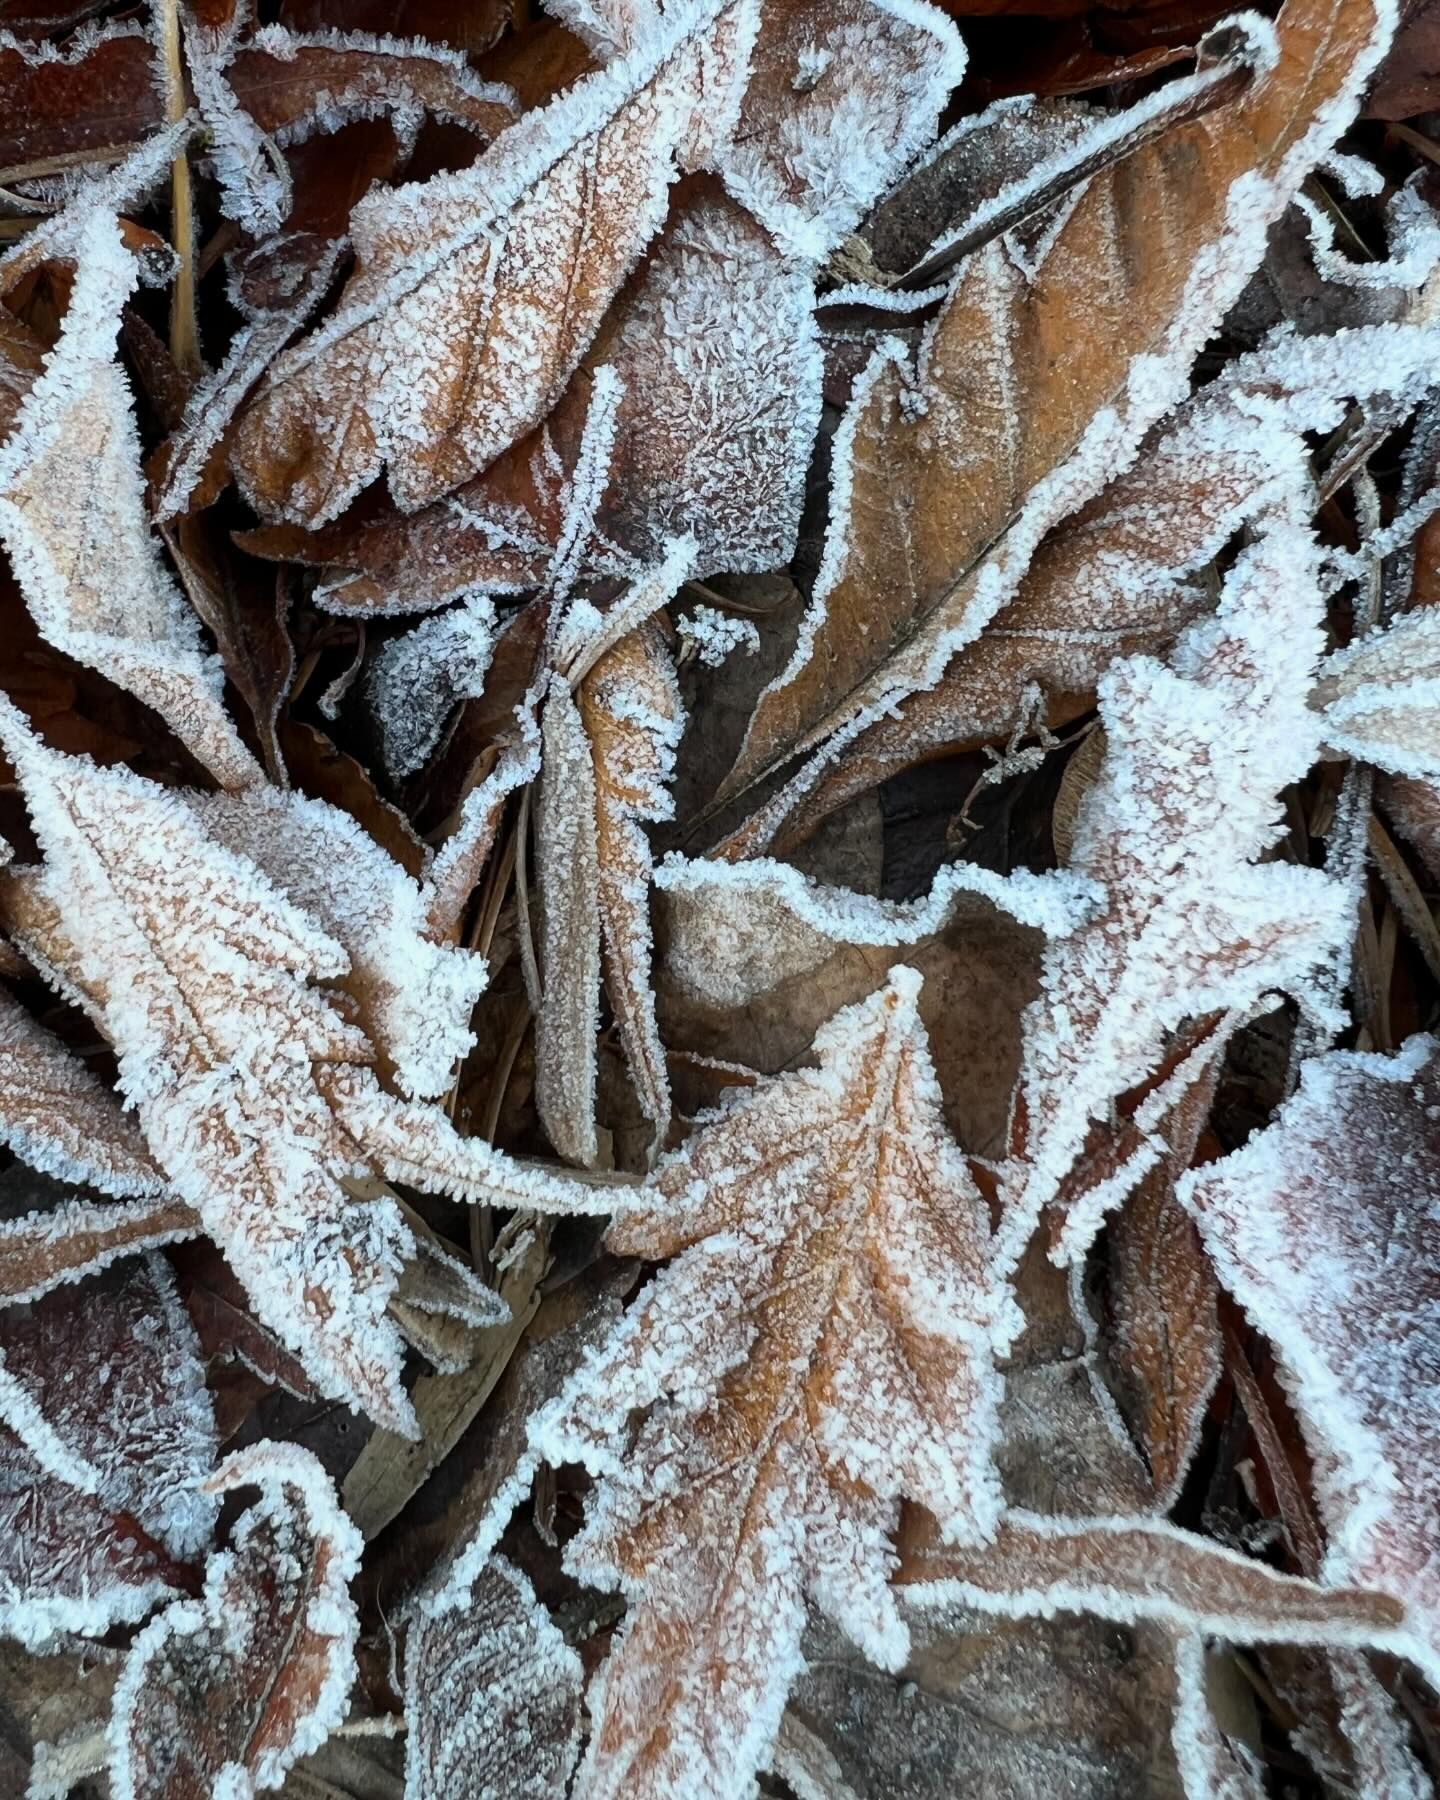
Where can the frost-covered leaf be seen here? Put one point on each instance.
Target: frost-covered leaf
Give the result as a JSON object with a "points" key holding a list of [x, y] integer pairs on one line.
{"points": [[73, 521], [840, 97], [57, 1117], [1165, 1345], [278, 87], [1185, 804], [95, 91], [492, 1696], [1324, 1228], [417, 680], [715, 348], [1118, 577], [221, 1694], [1213, 1765], [608, 759], [413, 992], [821, 1344], [1129, 1569], [736, 931], [477, 293], [1034, 388], [73, 1239], [1379, 698], [193, 473], [248, 1081], [100, 1490]]}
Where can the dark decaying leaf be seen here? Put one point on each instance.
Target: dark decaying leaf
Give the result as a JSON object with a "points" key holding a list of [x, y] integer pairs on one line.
{"points": [[492, 1696], [107, 1437], [221, 1694]]}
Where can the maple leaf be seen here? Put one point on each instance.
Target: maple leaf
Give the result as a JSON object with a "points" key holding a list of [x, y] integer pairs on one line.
{"points": [[249, 1083], [72, 512], [1186, 802], [492, 1696], [953, 473], [1117, 578], [222, 1694], [608, 758], [477, 293], [57, 1117], [821, 1344], [107, 1433], [1331, 1253]]}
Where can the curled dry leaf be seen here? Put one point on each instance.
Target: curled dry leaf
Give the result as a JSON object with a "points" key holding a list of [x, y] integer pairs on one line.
{"points": [[451, 340], [221, 1694], [492, 1696], [1332, 1254], [107, 1435], [608, 759], [1032, 387], [72, 514], [821, 1344]]}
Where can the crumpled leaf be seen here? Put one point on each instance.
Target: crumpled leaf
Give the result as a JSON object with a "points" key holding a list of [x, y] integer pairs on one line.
{"points": [[492, 1696], [1034, 388], [72, 514], [1323, 1227], [608, 759], [820, 1345], [222, 1694], [99, 1489], [415, 681], [447, 345], [56, 1116]]}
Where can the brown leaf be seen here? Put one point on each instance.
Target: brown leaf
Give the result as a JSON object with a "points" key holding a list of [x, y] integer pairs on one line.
{"points": [[96, 93], [607, 763], [1044, 1707], [584, 179], [1166, 1345], [43, 1250], [1117, 580], [225, 1692], [72, 517], [1128, 1569], [493, 1696], [1023, 418], [820, 1345], [251, 1085], [463, 24], [1193, 922]]}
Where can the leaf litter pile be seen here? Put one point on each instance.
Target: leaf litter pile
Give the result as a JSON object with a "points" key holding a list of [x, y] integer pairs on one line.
{"points": [[720, 843]]}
